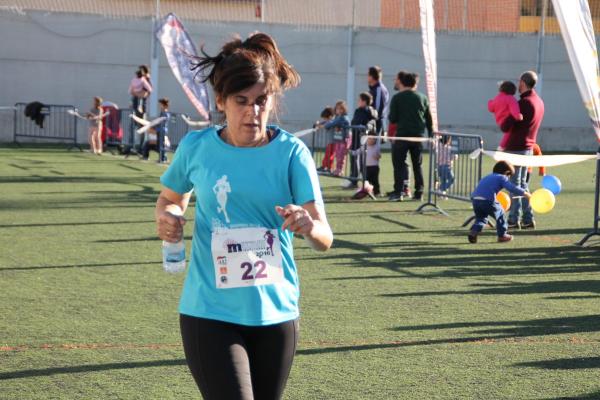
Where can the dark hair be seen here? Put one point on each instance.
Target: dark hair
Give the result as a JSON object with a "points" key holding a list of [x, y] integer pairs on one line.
{"points": [[342, 104], [240, 65], [508, 87], [408, 79], [144, 69], [366, 97], [504, 168], [529, 78], [164, 101], [375, 72], [139, 73], [327, 112]]}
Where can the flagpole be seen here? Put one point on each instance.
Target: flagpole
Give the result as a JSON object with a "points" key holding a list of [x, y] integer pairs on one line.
{"points": [[350, 68], [540, 49], [153, 101]]}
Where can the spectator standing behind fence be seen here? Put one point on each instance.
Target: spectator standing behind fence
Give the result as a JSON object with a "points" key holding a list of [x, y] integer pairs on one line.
{"points": [[366, 116], [95, 130], [372, 163], [521, 139], [445, 160], [503, 105], [341, 136], [239, 305], [380, 94], [485, 203], [327, 163], [155, 138], [146, 75], [139, 89], [409, 111]]}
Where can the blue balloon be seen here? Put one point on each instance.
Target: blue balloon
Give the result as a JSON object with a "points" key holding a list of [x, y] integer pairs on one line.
{"points": [[552, 183]]}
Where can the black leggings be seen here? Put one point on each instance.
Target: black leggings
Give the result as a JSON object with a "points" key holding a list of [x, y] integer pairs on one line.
{"points": [[230, 361]]}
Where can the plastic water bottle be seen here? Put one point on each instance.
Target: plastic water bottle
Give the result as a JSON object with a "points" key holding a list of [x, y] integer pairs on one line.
{"points": [[173, 256]]}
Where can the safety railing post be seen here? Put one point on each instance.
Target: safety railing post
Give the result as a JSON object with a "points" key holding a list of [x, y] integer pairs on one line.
{"points": [[595, 231]]}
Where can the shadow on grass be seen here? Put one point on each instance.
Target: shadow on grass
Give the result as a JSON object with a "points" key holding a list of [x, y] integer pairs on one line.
{"points": [[30, 373], [588, 396], [575, 286], [35, 268], [346, 244], [76, 224], [142, 239], [126, 198], [131, 180], [393, 221], [431, 260], [518, 329], [490, 233], [564, 363], [390, 345]]}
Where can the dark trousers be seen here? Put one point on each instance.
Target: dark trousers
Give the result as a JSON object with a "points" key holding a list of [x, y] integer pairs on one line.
{"points": [[354, 167], [373, 177], [400, 150], [354, 155], [139, 108], [230, 361], [483, 209]]}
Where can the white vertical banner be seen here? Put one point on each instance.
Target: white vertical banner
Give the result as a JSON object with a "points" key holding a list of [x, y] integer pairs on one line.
{"points": [[179, 49], [429, 53], [575, 22]]}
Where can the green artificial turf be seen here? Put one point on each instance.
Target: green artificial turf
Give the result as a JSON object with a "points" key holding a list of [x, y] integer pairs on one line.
{"points": [[402, 306]]}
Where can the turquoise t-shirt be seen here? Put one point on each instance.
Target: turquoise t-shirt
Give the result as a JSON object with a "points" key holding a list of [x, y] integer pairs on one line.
{"points": [[237, 188]]}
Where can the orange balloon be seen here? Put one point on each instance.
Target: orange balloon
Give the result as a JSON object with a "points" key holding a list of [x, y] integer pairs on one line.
{"points": [[504, 199]]}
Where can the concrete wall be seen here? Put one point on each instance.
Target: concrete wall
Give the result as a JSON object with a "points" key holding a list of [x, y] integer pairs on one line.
{"points": [[69, 58]]}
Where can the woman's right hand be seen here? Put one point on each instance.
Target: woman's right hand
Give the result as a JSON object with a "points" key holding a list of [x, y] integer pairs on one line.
{"points": [[170, 226], [168, 213]]}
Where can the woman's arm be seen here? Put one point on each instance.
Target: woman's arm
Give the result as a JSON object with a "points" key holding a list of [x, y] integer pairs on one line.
{"points": [[309, 221], [146, 85], [169, 211], [340, 121]]}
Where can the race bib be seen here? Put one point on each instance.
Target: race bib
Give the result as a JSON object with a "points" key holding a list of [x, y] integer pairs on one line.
{"points": [[246, 257]]}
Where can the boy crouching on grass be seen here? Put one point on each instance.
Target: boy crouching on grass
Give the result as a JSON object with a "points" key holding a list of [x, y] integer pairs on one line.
{"points": [[485, 203]]}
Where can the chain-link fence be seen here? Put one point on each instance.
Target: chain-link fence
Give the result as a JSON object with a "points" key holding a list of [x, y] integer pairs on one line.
{"points": [[331, 43], [467, 16]]}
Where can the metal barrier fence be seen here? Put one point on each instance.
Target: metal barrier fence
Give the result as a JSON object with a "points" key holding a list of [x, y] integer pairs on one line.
{"points": [[452, 172], [177, 129], [338, 154], [53, 123]]}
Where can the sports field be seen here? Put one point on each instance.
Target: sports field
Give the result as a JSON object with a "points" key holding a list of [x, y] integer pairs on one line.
{"points": [[402, 306]]}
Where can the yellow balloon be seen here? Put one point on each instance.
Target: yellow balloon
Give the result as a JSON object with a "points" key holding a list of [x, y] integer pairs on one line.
{"points": [[504, 200], [542, 201]]}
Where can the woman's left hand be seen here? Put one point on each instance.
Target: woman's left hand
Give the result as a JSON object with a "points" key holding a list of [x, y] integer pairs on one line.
{"points": [[296, 219]]}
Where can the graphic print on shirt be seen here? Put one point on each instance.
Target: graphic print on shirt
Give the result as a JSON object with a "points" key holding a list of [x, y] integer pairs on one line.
{"points": [[269, 239], [221, 189], [244, 257]]}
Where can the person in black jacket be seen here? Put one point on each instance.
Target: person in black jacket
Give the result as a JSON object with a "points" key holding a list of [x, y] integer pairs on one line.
{"points": [[381, 96], [366, 116]]}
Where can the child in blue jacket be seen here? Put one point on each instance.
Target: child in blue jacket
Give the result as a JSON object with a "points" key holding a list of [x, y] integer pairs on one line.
{"points": [[485, 203]]}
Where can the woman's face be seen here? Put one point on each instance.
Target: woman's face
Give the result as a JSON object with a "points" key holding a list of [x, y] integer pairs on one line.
{"points": [[339, 110], [247, 113]]}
